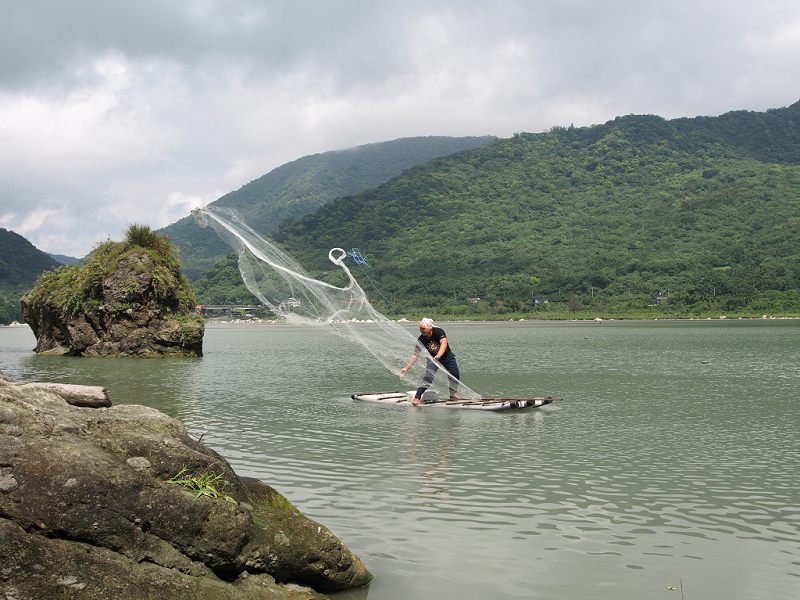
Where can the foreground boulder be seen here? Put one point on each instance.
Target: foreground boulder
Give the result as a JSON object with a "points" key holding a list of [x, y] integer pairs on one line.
{"points": [[87, 510], [127, 299]]}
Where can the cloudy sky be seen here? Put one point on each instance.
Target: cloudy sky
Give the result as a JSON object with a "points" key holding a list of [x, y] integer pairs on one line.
{"points": [[114, 113]]}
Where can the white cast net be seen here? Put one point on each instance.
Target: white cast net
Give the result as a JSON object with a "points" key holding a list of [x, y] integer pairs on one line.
{"points": [[284, 287]]}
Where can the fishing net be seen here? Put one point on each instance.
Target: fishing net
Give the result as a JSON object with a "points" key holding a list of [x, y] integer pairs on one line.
{"points": [[285, 288]]}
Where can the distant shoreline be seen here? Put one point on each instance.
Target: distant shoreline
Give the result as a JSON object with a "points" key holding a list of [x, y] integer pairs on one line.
{"points": [[595, 320]]}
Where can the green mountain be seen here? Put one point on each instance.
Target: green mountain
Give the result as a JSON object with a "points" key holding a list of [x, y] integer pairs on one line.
{"points": [[692, 215], [302, 186], [65, 260], [20, 265]]}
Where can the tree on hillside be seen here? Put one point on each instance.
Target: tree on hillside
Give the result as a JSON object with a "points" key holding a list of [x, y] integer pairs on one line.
{"points": [[574, 304]]}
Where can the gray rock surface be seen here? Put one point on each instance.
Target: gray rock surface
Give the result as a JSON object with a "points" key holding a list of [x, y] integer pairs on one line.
{"points": [[87, 511]]}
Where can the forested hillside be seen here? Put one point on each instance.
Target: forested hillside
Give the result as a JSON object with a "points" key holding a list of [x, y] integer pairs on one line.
{"points": [[302, 186], [20, 264], [694, 216], [65, 260]]}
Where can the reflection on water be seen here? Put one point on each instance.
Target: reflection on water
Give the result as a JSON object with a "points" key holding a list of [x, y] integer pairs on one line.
{"points": [[673, 456], [433, 462]]}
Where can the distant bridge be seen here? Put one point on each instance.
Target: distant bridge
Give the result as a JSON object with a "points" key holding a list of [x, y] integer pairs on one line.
{"points": [[204, 308]]}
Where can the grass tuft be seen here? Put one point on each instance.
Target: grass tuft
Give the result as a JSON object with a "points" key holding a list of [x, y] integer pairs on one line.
{"points": [[208, 484]]}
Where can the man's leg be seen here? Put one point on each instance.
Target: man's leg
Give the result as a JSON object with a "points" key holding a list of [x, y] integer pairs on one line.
{"points": [[452, 381], [430, 372]]}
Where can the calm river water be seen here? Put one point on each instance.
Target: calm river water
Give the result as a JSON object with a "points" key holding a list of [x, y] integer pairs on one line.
{"points": [[674, 456]]}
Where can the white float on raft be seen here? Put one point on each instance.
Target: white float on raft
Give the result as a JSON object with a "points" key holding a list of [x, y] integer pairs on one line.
{"points": [[431, 399]]}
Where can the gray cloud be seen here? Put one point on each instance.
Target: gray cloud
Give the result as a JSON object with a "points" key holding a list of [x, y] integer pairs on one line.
{"points": [[117, 113]]}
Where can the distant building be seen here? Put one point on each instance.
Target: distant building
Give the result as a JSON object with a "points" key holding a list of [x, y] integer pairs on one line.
{"points": [[290, 303], [541, 300]]}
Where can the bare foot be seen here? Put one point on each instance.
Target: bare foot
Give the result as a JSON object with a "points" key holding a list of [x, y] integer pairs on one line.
{"points": [[415, 401]]}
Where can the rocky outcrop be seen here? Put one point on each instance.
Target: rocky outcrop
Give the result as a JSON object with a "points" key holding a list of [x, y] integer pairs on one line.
{"points": [[87, 510], [128, 315]]}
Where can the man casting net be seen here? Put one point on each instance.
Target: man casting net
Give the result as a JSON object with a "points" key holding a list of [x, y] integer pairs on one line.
{"points": [[284, 287]]}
